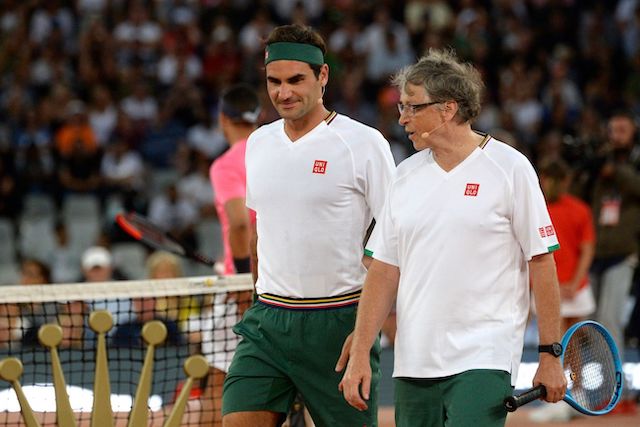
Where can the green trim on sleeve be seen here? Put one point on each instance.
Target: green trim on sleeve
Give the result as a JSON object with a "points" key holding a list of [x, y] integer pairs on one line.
{"points": [[553, 248], [368, 253]]}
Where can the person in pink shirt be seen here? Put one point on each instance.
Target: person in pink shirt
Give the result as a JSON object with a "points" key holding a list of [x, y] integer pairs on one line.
{"points": [[238, 116]]}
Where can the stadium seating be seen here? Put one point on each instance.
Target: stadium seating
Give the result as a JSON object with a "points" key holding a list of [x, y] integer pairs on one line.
{"points": [[129, 258], [36, 237], [7, 242]]}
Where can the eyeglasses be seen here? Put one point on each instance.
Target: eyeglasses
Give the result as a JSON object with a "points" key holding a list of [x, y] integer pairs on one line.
{"points": [[412, 109]]}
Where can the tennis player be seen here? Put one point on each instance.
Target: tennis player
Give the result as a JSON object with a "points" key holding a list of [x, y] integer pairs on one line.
{"points": [[315, 179], [238, 117], [239, 110], [464, 225]]}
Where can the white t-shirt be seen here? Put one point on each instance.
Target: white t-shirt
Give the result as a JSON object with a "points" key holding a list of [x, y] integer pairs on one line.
{"points": [[129, 165], [145, 32], [103, 123], [140, 109], [169, 66], [208, 140], [462, 240], [196, 188], [314, 199]]}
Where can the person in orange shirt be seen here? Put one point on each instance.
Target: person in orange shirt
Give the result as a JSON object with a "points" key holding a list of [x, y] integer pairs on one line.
{"points": [[77, 149], [572, 219], [76, 129], [573, 222]]}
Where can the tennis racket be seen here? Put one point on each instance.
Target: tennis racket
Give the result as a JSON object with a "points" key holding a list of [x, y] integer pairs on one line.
{"points": [[593, 369], [143, 230]]}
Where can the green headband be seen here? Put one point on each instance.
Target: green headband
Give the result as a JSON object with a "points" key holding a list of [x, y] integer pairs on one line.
{"points": [[293, 52]]}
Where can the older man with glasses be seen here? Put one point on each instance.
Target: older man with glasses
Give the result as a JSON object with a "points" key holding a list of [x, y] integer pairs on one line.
{"points": [[463, 228]]}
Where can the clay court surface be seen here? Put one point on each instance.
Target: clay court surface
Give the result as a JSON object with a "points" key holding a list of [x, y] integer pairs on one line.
{"points": [[520, 419]]}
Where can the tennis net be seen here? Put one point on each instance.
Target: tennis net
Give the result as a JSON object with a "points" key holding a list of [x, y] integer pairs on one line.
{"points": [[195, 315]]}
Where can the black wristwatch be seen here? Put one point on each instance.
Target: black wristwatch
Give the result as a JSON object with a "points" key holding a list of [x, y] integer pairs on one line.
{"points": [[554, 349]]}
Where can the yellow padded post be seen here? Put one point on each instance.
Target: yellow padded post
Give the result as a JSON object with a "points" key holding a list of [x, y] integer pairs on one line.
{"points": [[195, 367], [51, 336], [101, 414], [11, 370], [153, 333]]}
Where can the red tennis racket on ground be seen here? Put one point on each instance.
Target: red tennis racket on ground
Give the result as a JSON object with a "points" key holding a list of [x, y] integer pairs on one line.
{"points": [[146, 232]]}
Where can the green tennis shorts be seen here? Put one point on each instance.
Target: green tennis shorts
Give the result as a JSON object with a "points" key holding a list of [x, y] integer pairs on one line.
{"points": [[284, 351], [472, 398]]}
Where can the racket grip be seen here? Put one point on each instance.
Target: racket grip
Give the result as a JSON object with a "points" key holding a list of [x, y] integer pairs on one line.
{"points": [[512, 403]]}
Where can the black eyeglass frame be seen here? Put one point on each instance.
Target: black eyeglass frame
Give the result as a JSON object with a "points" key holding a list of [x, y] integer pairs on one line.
{"points": [[412, 109]]}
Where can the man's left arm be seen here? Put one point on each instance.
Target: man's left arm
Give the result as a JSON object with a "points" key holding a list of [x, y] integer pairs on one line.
{"points": [[546, 292], [239, 233]]}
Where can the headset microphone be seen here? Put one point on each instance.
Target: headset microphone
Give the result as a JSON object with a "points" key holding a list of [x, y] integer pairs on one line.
{"points": [[425, 135]]}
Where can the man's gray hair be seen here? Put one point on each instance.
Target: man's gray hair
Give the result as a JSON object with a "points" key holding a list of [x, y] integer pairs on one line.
{"points": [[445, 78]]}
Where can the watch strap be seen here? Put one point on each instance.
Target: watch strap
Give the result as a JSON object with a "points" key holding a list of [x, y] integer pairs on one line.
{"points": [[555, 349]]}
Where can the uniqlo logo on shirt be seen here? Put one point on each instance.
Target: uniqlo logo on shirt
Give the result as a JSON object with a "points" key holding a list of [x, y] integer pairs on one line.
{"points": [[320, 166], [541, 231], [549, 230], [471, 190]]}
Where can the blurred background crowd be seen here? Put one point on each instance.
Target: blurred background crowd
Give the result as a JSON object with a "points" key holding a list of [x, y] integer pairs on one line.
{"points": [[110, 105]]}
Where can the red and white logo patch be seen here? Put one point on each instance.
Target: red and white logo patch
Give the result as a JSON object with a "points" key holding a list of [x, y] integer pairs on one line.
{"points": [[320, 166], [472, 190], [546, 231]]}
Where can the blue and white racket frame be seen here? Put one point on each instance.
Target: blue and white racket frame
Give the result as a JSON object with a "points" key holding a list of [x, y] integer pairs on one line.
{"points": [[514, 402]]}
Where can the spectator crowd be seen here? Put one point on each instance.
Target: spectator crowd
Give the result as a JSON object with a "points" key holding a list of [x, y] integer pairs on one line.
{"points": [[116, 100]]}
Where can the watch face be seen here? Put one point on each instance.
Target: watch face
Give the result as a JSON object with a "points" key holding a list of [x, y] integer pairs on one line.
{"points": [[557, 349]]}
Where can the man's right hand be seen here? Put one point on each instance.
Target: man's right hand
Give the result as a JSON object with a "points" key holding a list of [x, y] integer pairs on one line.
{"points": [[356, 382]]}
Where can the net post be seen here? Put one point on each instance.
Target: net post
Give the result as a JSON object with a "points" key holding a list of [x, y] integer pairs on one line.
{"points": [[195, 367], [101, 322], [153, 333], [10, 370], [51, 336]]}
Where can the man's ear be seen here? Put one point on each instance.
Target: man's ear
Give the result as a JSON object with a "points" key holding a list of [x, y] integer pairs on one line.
{"points": [[324, 75], [449, 110]]}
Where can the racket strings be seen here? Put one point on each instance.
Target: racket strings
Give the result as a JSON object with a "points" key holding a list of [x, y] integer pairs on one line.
{"points": [[590, 363]]}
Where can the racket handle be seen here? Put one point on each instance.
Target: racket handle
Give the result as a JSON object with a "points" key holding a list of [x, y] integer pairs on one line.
{"points": [[512, 403]]}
